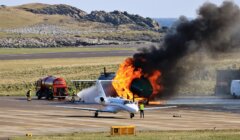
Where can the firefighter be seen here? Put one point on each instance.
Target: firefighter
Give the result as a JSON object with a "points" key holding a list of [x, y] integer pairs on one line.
{"points": [[28, 95], [141, 108], [73, 97]]}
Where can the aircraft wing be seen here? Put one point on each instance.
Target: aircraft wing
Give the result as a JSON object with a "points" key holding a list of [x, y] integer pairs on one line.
{"points": [[87, 109], [157, 108]]}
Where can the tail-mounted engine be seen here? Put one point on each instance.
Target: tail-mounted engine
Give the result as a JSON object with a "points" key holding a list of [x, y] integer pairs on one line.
{"points": [[100, 100]]}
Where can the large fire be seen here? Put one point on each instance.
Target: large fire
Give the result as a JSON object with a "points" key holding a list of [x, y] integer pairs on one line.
{"points": [[127, 73]]}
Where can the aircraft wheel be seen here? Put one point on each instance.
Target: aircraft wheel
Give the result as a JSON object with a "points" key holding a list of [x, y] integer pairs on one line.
{"points": [[39, 97], [131, 115], [96, 114]]}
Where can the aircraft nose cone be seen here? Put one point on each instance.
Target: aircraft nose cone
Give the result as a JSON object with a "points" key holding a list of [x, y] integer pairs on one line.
{"points": [[136, 109], [133, 108]]}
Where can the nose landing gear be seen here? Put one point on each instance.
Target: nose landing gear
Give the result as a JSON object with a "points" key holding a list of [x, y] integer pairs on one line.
{"points": [[131, 115]]}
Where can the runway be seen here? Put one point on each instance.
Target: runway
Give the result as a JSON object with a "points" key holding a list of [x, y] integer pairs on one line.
{"points": [[67, 55], [213, 103], [41, 117]]}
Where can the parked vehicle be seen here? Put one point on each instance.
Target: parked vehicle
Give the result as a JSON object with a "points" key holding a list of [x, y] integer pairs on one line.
{"points": [[51, 87], [235, 88]]}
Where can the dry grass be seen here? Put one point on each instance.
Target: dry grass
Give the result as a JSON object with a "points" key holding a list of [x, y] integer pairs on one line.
{"points": [[155, 135], [19, 75], [14, 18], [201, 77], [125, 35], [33, 6], [53, 50], [17, 17]]}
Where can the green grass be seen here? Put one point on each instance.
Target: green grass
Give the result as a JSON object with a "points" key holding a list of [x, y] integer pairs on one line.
{"points": [[155, 135], [52, 50]]}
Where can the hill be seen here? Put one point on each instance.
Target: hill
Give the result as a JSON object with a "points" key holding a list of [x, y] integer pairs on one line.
{"points": [[114, 18], [43, 25]]}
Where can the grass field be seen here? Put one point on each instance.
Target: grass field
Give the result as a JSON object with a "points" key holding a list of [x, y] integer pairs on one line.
{"points": [[200, 75], [9, 18], [53, 50], [161, 135], [19, 75]]}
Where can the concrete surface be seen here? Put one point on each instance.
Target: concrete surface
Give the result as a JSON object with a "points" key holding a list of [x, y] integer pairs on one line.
{"points": [[18, 117]]}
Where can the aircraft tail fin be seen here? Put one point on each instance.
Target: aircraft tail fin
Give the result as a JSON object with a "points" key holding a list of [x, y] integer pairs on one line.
{"points": [[100, 88]]}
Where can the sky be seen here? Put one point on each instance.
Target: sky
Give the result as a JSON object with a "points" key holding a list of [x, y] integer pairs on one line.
{"points": [[146, 8]]}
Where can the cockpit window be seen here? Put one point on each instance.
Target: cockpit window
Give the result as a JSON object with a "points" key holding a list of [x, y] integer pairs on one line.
{"points": [[127, 102]]}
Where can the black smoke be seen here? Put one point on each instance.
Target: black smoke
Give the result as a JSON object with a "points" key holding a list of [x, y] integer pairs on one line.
{"points": [[216, 30]]}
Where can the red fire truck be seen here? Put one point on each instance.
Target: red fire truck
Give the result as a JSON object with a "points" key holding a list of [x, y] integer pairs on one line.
{"points": [[51, 87]]}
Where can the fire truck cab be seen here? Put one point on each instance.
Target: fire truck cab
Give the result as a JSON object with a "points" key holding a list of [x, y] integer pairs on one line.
{"points": [[51, 87]]}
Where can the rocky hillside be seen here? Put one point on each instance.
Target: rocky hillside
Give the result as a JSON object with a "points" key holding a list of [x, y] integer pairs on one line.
{"points": [[118, 18], [60, 9], [114, 18], [43, 25]]}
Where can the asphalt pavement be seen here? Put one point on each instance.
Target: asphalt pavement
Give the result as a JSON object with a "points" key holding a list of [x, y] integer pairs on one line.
{"points": [[40, 117], [67, 55]]}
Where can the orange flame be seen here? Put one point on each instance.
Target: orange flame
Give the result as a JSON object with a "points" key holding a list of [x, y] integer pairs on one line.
{"points": [[127, 73]]}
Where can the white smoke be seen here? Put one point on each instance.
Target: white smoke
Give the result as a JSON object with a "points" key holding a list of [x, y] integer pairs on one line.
{"points": [[89, 94]]}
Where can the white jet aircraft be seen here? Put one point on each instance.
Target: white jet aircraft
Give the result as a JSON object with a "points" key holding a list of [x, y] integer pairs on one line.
{"points": [[112, 104]]}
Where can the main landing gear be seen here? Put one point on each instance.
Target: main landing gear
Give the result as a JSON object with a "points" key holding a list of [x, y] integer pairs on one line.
{"points": [[131, 115], [96, 114]]}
